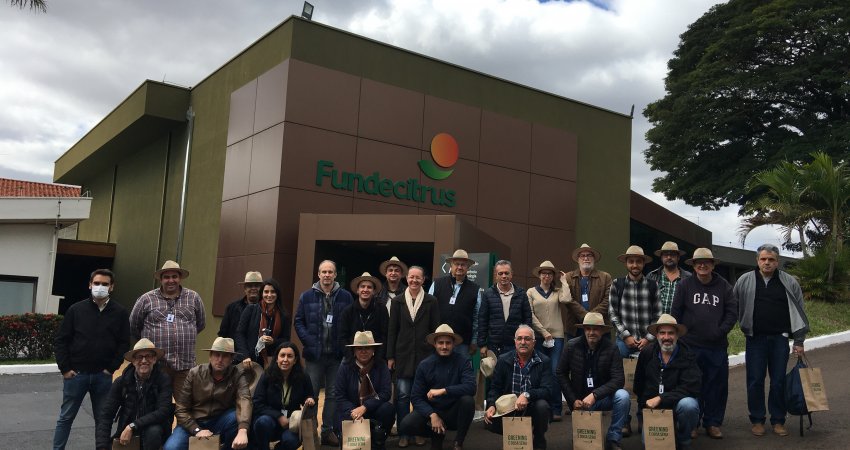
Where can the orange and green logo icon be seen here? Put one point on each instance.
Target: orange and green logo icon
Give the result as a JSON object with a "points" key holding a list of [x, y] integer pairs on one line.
{"points": [[444, 152]]}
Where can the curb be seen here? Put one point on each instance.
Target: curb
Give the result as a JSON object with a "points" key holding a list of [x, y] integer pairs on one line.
{"points": [[19, 369]]}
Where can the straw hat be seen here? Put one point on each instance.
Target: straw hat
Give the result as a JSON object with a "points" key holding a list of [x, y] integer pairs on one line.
{"points": [[488, 364], [461, 254], [221, 344], [701, 253], [252, 277], [593, 319], [634, 250], [143, 344], [171, 266], [366, 277], [667, 319], [444, 330], [669, 246], [505, 404], [545, 265], [393, 261], [586, 248], [363, 339]]}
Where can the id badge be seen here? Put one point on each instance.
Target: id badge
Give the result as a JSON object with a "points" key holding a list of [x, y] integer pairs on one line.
{"points": [[452, 300], [285, 413], [330, 319], [590, 382], [660, 388], [584, 298], [169, 317]]}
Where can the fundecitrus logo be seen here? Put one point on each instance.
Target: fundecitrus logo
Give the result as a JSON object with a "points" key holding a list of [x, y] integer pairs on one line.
{"points": [[444, 152]]}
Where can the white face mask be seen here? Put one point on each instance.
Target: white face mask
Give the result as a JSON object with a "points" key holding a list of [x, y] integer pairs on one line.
{"points": [[99, 292]]}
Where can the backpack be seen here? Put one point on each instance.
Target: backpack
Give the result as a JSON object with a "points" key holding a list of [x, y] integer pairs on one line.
{"points": [[620, 283], [795, 400]]}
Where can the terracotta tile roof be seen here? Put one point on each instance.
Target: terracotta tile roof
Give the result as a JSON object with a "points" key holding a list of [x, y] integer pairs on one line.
{"points": [[20, 188]]}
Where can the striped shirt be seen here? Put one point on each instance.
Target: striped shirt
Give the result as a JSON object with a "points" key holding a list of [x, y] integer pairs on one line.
{"points": [[634, 309], [150, 319]]}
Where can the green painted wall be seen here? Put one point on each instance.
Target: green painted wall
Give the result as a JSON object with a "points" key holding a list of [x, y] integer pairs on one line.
{"points": [[96, 227]]}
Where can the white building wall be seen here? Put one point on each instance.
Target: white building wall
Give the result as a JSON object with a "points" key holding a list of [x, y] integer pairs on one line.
{"points": [[28, 251]]}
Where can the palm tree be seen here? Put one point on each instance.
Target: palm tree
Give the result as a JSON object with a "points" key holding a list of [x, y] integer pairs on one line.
{"points": [[37, 5]]}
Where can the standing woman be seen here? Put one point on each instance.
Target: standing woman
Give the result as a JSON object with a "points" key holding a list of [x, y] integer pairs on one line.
{"points": [[283, 389], [545, 300], [266, 321]]}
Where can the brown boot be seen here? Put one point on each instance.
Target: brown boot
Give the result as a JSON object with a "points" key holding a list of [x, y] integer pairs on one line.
{"points": [[779, 429], [757, 429], [714, 432]]}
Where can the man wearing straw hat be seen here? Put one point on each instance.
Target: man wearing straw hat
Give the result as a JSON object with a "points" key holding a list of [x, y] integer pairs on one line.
{"points": [[706, 305], [592, 378], [459, 297], [141, 397], [172, 316], [667, 377], [230, 322], [365, 314], [394, 271], [205, 402], [442, 392], [633, 303], [525, 377], [589, 289], [669, 274]]}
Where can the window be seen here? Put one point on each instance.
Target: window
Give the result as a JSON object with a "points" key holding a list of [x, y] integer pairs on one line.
{"points": [[17, 294]]}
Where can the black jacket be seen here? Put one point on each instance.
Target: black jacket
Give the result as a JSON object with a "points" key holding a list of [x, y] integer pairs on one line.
{"points": [[607, 371], [268, 393], [682, 377], [460, 315], [249, 331], [453, 372], [542, 380], [124, 405], [90, 340], [354, 318], [493, 330], [406, 338], [230, 321]]}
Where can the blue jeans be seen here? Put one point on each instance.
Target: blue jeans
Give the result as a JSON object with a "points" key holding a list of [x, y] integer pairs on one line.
{"points": [[625, 351], [686, 417], [323, 374], [619, 405], [766, 355], [267, 429], [554, 354], [402, 399], [714, 365], [224, 425], [463, 349], [96, 384]]}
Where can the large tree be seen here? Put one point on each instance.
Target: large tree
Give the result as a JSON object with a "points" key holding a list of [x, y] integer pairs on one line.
{"points": [[35, 5], [751, 84]]}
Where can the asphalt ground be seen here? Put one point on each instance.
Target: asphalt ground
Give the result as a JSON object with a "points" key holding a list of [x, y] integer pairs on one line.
{"points": [[30, 405]]}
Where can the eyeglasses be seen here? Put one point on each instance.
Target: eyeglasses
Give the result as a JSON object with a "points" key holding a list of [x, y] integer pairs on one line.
{"points": [[703, 263], [585, 256], [143, 357]]}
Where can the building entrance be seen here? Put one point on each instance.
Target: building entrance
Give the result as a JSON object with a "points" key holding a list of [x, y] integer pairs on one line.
{"points": [[355, 257]]}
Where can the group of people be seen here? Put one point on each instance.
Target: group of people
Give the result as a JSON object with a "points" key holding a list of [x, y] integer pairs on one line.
{"points": [[392, 345]]}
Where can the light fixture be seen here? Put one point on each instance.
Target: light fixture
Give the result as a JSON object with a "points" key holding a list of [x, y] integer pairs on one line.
{"points": [[307, 12]]}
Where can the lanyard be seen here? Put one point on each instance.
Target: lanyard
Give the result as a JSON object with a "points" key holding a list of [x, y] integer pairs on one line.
{"points": [[284, 397]]}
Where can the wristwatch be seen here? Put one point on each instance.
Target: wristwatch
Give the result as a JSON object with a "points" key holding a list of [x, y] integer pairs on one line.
{"points": [[196, 431], [132, 426], [526, 395]]}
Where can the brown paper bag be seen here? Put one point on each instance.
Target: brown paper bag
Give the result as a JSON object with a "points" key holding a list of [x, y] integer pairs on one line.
{"points": [[213, 443], [309, 434], [516, 433], [629, 366], [134, 444], [659, 433], [356, 435], [813, 389], [588, 433]]}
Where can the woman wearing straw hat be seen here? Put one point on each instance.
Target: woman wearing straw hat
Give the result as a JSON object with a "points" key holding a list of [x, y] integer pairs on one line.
{"points": [[362, 389], [283, 389], [263, 326], [546, 300]]}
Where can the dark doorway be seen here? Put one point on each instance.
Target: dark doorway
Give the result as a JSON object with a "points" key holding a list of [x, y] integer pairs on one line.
{"points": [[352, 258]]}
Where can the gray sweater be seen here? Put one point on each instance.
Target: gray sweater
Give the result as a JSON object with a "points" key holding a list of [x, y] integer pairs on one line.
{"points": [[745, 292]]}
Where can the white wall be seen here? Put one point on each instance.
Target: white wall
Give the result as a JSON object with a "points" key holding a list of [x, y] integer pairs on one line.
{"points": [[27, 250]]}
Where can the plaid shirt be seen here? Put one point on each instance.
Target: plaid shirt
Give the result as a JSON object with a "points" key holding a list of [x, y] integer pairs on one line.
{"points": [[634, 309], [666, 288], [521, 378], [177, 338]]}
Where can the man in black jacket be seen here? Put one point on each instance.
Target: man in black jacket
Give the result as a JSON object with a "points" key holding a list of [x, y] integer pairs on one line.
{"points": [[527, 374], [230, 322], [365, 314], [89, 346], [667, 377], [141, 397], [504, 307], [591, 376], [459, 297]]}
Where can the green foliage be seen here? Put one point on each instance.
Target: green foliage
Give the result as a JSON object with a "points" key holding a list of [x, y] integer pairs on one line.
{"points": [[813, 274], [753, 83], [28, 336]]}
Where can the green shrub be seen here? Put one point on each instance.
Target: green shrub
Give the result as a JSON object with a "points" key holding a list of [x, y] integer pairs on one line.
{"points": [[28, 336], [812, 274]]}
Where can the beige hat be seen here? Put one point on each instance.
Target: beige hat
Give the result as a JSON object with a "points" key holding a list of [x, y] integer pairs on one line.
{"points": [[505, 404], [462, 255], [488, 364], [593, 319], [171, 266], [393, 261], [545, 265], [363, 339], [366, 277], [443, 330], [701, 253], [669, 246], [584, 247], [143, 344], [221, 344], [667, 319], [252, 277], [634, 250]]}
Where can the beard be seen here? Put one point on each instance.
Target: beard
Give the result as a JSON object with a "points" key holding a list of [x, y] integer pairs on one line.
{"points": [[667, 348]]}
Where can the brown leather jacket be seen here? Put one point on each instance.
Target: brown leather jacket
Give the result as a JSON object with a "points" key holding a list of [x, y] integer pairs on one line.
{"points": [[600, 288], [200, 397]]}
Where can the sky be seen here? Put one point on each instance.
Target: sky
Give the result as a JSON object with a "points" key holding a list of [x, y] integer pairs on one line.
{"points": [[63, 71]]}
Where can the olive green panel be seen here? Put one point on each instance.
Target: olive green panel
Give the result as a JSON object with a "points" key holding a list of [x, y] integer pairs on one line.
{"points": [[96, 227], [173, 191]]}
